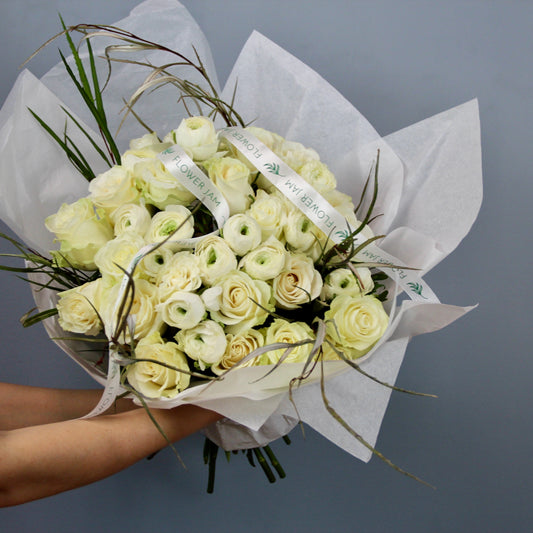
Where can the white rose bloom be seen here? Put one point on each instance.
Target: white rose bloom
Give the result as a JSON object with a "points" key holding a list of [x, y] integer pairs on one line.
{"points": [[231, 177], [268, 211], [296, 154], [345, 281], [266, 261], [215, 258], [182, 310], [243, 302], [131, 217], [152, 263], [77, 309], [205, 343], [290, 332], [154, 380], [318, 175], [146, 141], [113, 188], [197, 135], [175, 220], [298, 284], [143, 149], [158, 186], [238, 347], [117, 253], [180, 273], [242, 233], [355, 323], [82, 231]]}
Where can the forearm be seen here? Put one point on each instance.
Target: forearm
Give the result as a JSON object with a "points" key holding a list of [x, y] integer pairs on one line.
{"points": [[23, 406], [43, 460]]}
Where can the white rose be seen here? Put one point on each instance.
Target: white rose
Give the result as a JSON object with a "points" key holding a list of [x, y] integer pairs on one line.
{"points": [[243, 302], [215, 258], [118, 253], [175, 220], [238, 347], [231, 177], [268, 211], [152, 379], [131, 217], [242, 233], [182, 310], [266, 261], [152, 263], [346, 281], [180, 273], [142, 149], [356, 323], [113, 188], [158, 186], [298, 284], [318, 175], [82, 231], [77, 309], [205, 343], [290, 332], [296, 154], [197, 135]]}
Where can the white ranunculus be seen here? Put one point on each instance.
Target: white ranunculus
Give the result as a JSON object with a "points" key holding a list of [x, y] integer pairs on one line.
{"points": [[355, 323], [345, 281], [300, 233], [175, 220], [180, 273], [268, 211], [205, 343], [197, 135], [152, 263], [152, 379], [318, 175], [298, 284], [232, 178], [77, 309], [182, 310], [243, 302], [296, 154], [290, 332], [242, 233], [118, 253], [158, 186], [82, 230], [215, 258], [143, 149], [266, 261], [131, 217], [113, 188], [238, 347]]}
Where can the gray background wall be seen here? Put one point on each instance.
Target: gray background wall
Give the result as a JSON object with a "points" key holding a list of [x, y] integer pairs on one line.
{"points": [[398, 62]]}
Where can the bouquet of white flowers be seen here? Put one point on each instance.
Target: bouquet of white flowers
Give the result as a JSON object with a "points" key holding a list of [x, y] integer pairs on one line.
{"points": [[221, 264]]}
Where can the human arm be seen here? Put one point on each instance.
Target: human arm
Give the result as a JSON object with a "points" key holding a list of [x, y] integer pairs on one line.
{"points": [[43, 460]]}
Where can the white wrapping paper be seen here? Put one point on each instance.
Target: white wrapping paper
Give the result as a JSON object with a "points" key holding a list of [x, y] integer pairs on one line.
{"points": [[430, 183]]}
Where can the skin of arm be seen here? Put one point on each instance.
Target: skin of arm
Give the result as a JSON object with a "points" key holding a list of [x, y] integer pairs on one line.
{"points": [[59, 454]]}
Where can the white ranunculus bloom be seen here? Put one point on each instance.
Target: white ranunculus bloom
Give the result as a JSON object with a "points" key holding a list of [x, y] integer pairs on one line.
{"points": [[242, 233], [238, 347], [356, 323], [197, 135], [318, 175], [180, 273], [175, 220], [152, 379], [182, 310], [300, 233], [77, 309], [268, 211], [296, 154], [205, 343], [153, 262], [345, 281], [298, 284], [215, 258], [290, 332], [131, 217], [266, 261]]}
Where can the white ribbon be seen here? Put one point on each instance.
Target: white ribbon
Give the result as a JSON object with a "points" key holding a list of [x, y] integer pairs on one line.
{"points": [[318, 209]]}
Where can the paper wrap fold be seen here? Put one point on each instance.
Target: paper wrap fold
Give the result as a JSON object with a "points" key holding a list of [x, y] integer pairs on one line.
{"points": [[430, 194]]}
